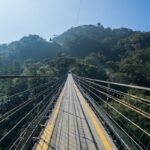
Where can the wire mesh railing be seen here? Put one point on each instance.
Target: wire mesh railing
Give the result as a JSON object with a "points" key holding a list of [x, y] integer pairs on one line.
{"points": [[126, 114], [22, 112]]}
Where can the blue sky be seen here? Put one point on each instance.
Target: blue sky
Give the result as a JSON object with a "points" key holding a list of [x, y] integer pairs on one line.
{"points": [[48, 17]]}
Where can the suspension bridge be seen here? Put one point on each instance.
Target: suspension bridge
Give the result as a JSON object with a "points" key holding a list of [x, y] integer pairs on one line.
{"points": [[73, 113]]}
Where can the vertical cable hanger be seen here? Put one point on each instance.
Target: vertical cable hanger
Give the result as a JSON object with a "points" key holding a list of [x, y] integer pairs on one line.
{"points": [[78, 12]]}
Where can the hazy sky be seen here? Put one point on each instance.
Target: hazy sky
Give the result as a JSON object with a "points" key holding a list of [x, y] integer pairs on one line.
{"points": [[48, 17]]}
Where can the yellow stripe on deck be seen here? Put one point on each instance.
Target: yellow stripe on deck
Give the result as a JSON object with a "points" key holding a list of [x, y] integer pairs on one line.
{"points": [[95, 122], [45, 138]]}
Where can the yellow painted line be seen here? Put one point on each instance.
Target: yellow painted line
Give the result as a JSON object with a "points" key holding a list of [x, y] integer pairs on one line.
{"points": [[45, 137], [92, 116]]}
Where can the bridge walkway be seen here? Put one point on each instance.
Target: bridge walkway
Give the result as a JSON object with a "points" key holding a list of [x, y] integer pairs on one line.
{"points": [[73, 125]]}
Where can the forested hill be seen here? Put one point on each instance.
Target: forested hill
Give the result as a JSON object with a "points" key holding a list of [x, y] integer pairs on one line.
{"points": [[81, 41], [121, 55], [29, 47], [113, 43], [97, 33]]}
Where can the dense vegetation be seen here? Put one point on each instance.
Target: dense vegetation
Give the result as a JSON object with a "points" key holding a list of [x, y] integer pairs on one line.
{"points": [[121, 54]]}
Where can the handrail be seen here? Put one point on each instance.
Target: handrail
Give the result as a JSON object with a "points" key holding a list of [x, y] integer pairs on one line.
{"points": [[116, 83], [21, 76]]}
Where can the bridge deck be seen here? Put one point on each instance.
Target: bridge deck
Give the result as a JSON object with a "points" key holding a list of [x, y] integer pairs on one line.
{"points": [[73, 124]]}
